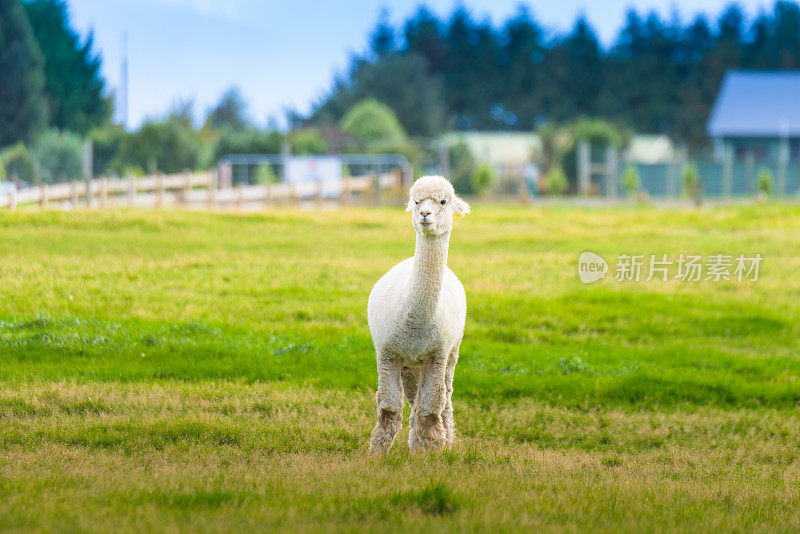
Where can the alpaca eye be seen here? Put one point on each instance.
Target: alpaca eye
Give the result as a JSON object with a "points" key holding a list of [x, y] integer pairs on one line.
{"points": [[443, 202], [417, 202]]}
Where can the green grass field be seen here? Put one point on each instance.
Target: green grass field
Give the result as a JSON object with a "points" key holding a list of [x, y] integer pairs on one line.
{"points": [[190, 371]]}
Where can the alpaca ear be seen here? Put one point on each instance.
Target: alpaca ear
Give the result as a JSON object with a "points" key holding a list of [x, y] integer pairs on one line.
{"points": [[411, 204], [460, 208]]}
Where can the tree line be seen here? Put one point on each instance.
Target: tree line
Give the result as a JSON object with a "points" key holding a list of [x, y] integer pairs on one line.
{"points": [[53, 98], [658, 76], [428, 75]]}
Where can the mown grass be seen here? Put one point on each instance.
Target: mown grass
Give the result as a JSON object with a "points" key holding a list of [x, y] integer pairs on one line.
{"points": [[197, 371]]}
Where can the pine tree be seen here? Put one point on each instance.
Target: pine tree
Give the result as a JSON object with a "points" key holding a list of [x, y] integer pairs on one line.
{"points": [[74, 84], [23, 106]]}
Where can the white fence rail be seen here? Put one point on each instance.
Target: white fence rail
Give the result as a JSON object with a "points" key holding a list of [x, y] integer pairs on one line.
{"points": [[190, 189]]}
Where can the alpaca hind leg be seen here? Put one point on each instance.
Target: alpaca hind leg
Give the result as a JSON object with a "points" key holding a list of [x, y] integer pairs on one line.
{"points": [[447, 413], [389, 399], [427, 428]]}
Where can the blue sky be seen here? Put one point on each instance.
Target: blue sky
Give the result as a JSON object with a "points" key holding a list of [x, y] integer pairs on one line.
{"points": [[284, 54]]}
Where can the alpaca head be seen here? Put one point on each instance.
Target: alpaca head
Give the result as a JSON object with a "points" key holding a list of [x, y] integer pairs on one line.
{"points": [[433, 203]]}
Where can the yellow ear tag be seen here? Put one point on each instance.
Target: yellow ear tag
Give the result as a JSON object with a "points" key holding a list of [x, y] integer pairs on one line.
{"points": [[457, 216]]}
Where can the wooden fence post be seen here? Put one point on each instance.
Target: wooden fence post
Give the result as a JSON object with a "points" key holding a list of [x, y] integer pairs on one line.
{"points": [[584, 155], [74, 194], [318, 193], [132, 191], [12, 199], [211, 186], [103, 191], [612, 171], [187, 187], [43, 195], [727, 169], [239, 194], [345, 199], [89, 193], [159, 190]]}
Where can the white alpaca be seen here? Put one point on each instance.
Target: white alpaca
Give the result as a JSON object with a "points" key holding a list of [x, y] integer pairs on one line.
{"points": [[416, 315]]}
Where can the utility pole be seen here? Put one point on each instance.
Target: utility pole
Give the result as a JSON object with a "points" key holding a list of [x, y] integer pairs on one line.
{"points": [[123, 89]]}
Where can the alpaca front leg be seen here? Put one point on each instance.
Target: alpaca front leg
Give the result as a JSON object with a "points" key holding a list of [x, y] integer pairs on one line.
{"points": [[389, 399], [410, 378], [427, 427]]}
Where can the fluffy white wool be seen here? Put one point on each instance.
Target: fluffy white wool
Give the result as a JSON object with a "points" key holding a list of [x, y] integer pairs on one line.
{"points": [[416, 315]]}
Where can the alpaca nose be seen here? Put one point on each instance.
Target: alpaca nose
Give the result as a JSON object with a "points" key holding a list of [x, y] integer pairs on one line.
{"points": [[424, 212]]}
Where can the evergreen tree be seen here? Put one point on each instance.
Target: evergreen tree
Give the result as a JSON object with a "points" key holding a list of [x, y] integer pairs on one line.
{"points": [[23, 105], [520, 59], [424, 36], [787, 34], [382, 41], [659, 76], [74, 85], [230, 112], [573, 67]]}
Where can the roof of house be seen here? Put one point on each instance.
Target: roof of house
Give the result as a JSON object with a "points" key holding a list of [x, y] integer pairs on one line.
{"points": [[757, 104]]}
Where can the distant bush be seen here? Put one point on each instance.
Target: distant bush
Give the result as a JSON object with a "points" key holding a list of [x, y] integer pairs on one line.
{"points": [[106, 143], [247, 141], [555, 181], [765, 181], [264, 175], [131, 170], [18, 162], [483, 177], [167, 146], [60, 156], [370, 121], [691, 182], [600, 135], [462, 167], [307, 142], [630, 180], [598, 132]]}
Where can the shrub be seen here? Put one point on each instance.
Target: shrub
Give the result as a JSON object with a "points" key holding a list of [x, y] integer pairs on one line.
{"points": [[630, 180], [167, 146], [691, 178], [483, 177], [106, 143], [264, 175], [247, 141], [555, 182], [18, 162], [370, 121], [598, 132], [60, 156], [308, 142], [462, 167], [765, 181], [691, 182]]}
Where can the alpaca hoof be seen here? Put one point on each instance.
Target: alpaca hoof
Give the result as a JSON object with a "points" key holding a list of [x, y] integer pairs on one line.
{"points": [[384, 432], [428, 434], [380, 441]]}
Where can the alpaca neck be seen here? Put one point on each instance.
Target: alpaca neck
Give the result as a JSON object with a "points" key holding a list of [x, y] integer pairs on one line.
{"points": [[430, 260]]}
